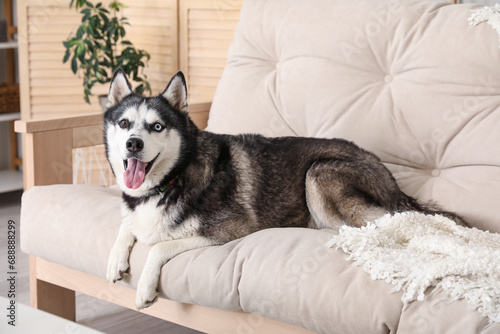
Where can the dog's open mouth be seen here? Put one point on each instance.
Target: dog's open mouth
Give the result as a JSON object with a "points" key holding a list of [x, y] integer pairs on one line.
{"points": [[135, 171]]}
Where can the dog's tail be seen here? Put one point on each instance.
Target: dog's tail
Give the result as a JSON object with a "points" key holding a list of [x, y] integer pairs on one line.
{"points": [[408, 203]]}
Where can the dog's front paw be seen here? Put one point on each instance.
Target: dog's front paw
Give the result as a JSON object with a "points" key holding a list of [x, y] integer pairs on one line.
{"points": [[117, 265], [146, 292]]}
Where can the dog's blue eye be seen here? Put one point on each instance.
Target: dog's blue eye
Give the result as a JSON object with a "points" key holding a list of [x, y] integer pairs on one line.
{"points": [[124, 123], [158, 127]]}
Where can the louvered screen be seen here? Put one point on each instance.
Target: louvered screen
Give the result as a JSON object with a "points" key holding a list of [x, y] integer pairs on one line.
{"points": [[49, 88], [206, 31], [154, 28]]}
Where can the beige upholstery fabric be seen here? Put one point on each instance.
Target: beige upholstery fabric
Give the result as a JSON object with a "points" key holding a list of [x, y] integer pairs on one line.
{"points": [[410, 81], [287, 274]]}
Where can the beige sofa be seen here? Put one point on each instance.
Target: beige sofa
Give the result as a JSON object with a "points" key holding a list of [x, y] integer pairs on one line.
{"points": [[411, 81]]}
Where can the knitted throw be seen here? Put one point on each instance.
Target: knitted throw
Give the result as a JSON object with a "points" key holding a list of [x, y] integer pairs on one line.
{"points": [[414, 251]]}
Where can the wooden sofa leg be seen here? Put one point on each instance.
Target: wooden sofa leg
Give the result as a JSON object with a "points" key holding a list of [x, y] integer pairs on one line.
{"points": [[49, 297]]}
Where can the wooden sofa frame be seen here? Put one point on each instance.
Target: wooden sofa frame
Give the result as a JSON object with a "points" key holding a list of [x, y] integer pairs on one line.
{"points": [[48, 146]]}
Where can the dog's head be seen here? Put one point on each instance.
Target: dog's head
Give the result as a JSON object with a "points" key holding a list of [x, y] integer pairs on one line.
{"points": [[145, 137]]}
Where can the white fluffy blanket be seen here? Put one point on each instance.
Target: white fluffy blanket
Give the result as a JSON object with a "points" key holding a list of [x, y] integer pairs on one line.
{"points": [[414, 251]]}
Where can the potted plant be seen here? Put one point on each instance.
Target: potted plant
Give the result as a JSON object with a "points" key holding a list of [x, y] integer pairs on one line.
{"points": [[99, 47]]}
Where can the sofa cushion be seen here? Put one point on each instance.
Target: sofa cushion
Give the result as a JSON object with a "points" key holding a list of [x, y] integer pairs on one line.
{"points": [[286, 274], [409, 80]]}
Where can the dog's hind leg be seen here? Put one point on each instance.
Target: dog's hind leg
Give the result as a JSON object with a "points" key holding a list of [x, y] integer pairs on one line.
{"points": [[339, 192], [356, 191]]}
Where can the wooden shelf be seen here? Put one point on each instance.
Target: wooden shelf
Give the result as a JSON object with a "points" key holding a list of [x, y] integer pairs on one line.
{"points": [[8, 45], [10, 116], [12, 180]]}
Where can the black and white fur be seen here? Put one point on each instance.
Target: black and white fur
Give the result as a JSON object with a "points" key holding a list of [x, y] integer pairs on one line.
{"points": [[202, 189]]}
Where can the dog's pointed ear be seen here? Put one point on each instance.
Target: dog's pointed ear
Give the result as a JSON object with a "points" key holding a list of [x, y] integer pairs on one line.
{"points": [[120, 87], [176, 92]]}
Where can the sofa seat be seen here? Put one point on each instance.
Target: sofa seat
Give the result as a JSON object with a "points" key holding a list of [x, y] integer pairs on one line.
{"points": [[286, 274]]}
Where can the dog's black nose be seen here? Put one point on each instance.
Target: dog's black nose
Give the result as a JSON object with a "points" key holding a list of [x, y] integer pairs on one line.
{"points": [[135, 145]]}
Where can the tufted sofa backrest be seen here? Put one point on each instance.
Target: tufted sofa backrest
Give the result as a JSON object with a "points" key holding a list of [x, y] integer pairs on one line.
{"points": [[409, 80]]}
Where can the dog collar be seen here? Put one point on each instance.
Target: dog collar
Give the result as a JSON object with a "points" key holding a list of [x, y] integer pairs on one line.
{"points": [[161, 189]]}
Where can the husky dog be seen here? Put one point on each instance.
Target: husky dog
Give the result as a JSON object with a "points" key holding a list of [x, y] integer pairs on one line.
{"points": [[184, 188]]}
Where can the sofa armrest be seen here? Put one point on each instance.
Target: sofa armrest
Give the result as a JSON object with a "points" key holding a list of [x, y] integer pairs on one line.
{"points": [[43, 125], [48, 146]]}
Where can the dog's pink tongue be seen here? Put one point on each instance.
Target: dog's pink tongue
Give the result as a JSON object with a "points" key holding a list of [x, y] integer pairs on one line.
{"points": [[134, 175]]}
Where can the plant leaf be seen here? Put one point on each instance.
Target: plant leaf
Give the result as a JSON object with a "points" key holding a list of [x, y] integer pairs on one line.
{"points": [[74, 65], [80, 32], [80, 49], [66, 56]]}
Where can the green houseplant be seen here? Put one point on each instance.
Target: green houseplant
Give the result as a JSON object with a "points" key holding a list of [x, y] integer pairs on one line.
{"points": [[99, 47]]}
